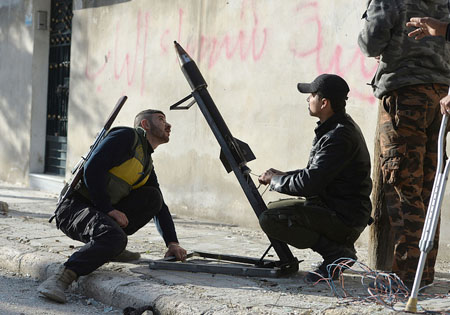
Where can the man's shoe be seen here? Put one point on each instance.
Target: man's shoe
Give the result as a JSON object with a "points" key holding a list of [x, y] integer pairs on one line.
{"points": [[126, 256], [318, 274], [331, 270], [54, 287], [336, 258]]}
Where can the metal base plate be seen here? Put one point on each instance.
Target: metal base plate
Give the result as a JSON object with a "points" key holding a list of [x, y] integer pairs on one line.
{"points": [[227, 264]]}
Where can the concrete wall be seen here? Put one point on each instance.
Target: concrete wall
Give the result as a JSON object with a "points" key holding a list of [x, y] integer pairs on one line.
{"points": [[16, 51], [252, 54], [23, 89]]}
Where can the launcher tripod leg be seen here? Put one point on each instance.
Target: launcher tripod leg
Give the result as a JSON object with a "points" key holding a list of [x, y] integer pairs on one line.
{"points": [[432, 217]]}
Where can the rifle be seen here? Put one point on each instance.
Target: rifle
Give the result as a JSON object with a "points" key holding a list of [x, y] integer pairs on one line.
{"points": [[77, 171]]}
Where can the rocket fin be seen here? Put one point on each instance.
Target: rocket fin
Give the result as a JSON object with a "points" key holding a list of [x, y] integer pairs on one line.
{"points": [[246, 151]]}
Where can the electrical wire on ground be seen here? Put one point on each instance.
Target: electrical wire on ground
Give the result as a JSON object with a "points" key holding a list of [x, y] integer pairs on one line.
{"points": [[382, 288]]}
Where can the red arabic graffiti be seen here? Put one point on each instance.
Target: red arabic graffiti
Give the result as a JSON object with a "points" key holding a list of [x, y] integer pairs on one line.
{"points": [[335, 65], [246, 44], [128, 62]]}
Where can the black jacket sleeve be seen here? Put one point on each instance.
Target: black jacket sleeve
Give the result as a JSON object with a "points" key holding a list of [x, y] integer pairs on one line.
{"points": [[333, 155]]}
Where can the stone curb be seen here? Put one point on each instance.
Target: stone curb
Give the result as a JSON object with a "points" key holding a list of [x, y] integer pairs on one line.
{"points": [[109, 287]]}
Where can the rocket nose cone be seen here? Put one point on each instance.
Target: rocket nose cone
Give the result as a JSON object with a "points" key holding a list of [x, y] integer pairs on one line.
{"points": [[183, 56]]}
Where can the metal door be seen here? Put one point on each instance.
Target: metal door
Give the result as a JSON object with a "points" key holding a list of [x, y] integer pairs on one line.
{"points": [[58, 86]]}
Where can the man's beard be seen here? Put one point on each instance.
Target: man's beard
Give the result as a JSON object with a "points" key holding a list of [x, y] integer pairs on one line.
{"points": [[158, 133]]}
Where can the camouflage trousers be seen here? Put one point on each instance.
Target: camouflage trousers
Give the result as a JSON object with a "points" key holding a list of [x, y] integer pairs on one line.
{"points": [[409, 129]]}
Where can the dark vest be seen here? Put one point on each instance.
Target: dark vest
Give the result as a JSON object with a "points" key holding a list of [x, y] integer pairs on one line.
{"points": [[131, 174]]}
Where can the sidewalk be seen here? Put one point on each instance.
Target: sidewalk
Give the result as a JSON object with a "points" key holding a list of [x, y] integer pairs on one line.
{"points": [[30, 245]]}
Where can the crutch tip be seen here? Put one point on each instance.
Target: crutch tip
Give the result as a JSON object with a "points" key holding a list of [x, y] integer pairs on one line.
{"points": [[411, 306]]}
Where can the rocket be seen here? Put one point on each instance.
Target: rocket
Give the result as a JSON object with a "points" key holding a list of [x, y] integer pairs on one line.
{"points": [[239, 149], [234, 153], [189, 68]]}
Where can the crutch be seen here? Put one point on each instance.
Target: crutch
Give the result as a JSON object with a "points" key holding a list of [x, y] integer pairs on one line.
{"points": [[432, 217]]}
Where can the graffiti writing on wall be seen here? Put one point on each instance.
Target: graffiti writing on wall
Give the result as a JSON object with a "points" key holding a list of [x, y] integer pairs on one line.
{"points": [[246, 44], [335, 64], [126, 64], [243, 44]]}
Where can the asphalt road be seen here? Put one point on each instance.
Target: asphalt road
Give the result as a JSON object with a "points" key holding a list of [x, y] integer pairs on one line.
{"points": [[18, 296]]}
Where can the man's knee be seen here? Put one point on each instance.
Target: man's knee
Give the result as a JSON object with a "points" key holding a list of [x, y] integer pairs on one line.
{"points": [[118, 240], [151, 198], [264, 221], [108, 235], [271, 223]]}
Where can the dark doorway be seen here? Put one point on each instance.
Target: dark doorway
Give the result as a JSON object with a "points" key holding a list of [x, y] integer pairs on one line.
{"points": [[58, 86]]}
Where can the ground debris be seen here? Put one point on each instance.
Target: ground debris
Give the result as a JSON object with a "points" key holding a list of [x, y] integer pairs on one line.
{"points": [[3, 208]]}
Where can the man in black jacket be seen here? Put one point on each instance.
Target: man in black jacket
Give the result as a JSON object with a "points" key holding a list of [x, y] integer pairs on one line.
{"points": [[335, 186]]}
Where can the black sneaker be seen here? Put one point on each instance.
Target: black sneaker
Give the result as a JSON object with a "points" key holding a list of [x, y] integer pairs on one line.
{"points": [[327, 271], [318, 274]]}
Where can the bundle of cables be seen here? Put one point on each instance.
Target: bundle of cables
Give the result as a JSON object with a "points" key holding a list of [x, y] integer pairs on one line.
{"points": [[380, 287]]}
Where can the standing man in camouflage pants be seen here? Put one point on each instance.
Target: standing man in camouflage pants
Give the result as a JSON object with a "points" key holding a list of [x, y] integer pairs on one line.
{"points": [[411, 79]]}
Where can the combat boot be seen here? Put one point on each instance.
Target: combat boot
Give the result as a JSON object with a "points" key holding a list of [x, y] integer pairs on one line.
{"points": [[333, 254], [54, 287], [126, 256]]}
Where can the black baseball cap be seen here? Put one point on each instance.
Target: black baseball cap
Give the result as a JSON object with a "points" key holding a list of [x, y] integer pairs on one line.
{"points": [[329, 86]]}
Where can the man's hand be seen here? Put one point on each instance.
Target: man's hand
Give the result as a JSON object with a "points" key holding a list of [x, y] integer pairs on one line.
{"points": [[445, 105], [426, 26], [266, 177], [174, 249], [120, 217]]}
